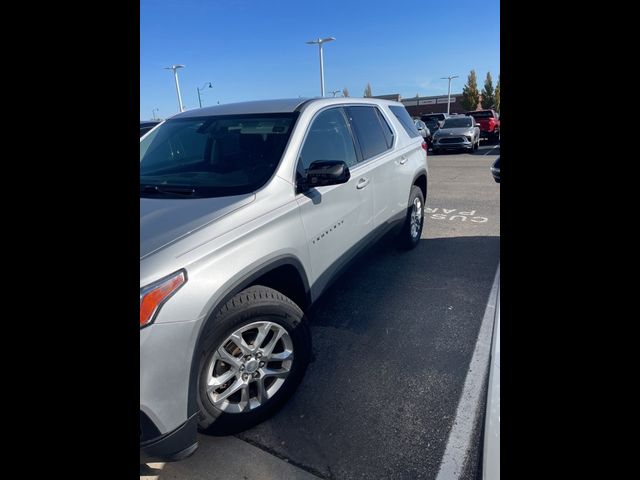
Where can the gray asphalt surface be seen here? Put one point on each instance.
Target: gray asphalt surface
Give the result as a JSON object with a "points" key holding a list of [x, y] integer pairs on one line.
{"points": [[392, 339]]}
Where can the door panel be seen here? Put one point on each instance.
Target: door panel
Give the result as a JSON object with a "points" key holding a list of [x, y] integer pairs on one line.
{"points": [[335, 217]]}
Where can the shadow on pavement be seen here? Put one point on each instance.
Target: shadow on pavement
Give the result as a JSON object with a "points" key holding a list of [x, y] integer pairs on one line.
{"points": [[393, 338]]}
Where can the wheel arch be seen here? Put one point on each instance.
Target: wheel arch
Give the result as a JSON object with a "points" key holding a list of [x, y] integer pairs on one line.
{"points": [[420, 180], [285, 274]]}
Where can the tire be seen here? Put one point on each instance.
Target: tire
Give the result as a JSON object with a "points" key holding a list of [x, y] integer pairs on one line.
{"points": [[409, 236], [275, 314]]}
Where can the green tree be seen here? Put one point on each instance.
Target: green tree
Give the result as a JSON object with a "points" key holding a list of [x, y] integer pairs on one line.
{"points": [[497, 96], [470, 93], [345, 92], [488, 95], [367, 91]]}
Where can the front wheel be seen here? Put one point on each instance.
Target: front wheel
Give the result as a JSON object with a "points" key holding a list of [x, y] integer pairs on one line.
{"points": [[252, 358], [414, 221]]}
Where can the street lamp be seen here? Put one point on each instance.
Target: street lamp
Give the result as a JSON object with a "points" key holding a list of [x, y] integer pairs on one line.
{"points": [[175, 75], [334, 92], [320, 41], [199, 89], [449, 94], [153, 113]]}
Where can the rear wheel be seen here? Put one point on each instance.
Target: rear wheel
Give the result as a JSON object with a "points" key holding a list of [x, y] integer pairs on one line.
{"points": [[414, 221], [252, 358]]}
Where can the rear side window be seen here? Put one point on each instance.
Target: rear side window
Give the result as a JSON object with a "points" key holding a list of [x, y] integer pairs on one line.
{"points": [[370, 133], [388, 133], [405, 120]]}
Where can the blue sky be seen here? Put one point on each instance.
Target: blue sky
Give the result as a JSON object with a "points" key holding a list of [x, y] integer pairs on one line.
{"points": [[252, 49]]}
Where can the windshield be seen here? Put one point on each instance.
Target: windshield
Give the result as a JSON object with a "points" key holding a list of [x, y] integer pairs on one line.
{"points": [[432, 117], [213, 156], [457, 122], [485, 114]]}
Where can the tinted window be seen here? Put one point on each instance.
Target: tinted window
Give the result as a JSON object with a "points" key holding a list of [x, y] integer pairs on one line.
{"points": [[329, 138], [405, 120], [386, 129], [215, 156], [367, 128]]}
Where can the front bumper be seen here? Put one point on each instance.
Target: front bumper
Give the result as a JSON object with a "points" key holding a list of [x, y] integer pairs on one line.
{"points": [[171, 447], [166, 402], [452, 146]]}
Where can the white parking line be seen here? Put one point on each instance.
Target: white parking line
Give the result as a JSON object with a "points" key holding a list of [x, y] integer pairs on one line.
{"points": [[492, 149], [459, 441]]}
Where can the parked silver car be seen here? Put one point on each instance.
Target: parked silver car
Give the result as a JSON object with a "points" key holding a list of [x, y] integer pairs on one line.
{"points": [[247, 211], [457, 132], [422, 129]]}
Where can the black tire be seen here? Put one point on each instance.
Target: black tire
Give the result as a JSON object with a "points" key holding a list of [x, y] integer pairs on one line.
{"points": [[406, 240], [253, 304]]}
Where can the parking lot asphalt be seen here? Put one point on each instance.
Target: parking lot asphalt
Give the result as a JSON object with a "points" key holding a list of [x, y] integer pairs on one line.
{"points": [[392, 342]]}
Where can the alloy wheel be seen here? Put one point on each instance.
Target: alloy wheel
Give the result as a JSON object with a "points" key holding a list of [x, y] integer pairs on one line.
{"points": [[249, 367]]}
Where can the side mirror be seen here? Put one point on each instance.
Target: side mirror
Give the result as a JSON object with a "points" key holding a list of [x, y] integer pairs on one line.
{"points": [[325, 172]]}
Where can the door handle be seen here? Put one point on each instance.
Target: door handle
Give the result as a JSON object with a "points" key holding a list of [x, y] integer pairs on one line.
{"points": [[403, 159], [363, 182]]}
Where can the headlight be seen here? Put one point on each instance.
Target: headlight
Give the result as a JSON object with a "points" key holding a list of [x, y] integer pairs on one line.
{"points": [[153, 296]]}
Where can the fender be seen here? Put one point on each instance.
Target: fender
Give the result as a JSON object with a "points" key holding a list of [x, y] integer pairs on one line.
{"points": [[233, 289], [418, 174]]}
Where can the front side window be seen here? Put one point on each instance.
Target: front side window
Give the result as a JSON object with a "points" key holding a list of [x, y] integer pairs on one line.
{"points": [[213, 156], [329, 138]]}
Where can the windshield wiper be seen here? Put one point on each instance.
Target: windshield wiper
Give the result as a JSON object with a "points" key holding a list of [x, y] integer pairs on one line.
{"points": [[168, 190]]}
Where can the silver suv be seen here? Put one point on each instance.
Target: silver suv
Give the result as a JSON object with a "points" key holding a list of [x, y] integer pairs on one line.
{"points": [[247, 212]]}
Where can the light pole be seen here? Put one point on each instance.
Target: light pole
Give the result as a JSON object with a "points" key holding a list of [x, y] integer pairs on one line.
{"points": [[203, 87], [449, 94], [320, 41], [153, 113], [175, 75]]}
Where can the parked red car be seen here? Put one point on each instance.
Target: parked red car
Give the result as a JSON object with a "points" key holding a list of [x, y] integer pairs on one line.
{"points": [[489, 121]]}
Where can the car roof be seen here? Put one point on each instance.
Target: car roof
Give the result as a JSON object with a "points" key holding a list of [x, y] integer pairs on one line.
{"points": [[146, 123], [284, 105]]}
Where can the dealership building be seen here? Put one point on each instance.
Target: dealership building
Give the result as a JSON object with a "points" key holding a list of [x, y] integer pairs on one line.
{"points": [[417, 106]]}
